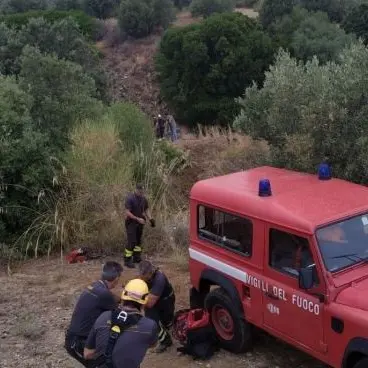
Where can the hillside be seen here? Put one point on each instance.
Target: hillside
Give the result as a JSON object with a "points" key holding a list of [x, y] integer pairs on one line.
{"points": [[130, 66]]}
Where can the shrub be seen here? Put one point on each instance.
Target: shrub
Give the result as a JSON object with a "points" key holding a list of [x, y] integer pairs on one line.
{"points": [[24, 154], [21, 6], [334, 8], [62, 93], [138, 18], [180, 4], [311, 112], [101, 9], [87, 204], [133, 126], [68, 4], [271, 10], [317, 36], [245, 3], [203, 67], [86, 24], [62, 38], [307, 34], [357, 21], [207, 7]]}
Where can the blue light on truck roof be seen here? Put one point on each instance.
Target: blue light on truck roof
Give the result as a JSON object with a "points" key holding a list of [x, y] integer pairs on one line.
{"points": [[324, 172], [264, 188]]}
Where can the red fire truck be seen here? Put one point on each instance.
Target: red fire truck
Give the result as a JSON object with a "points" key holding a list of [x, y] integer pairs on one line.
{"points": [[286, 252]]}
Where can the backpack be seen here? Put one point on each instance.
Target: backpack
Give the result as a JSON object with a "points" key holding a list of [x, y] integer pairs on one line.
{"points": [[120, 321], [194, 331]]}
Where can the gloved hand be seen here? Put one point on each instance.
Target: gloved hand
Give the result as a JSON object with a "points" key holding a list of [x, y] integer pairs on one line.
{"points": [[153, 223]]}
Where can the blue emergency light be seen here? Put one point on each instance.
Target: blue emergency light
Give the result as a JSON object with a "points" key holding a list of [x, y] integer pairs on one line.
{"points": [[324, 172], [264, 188]]}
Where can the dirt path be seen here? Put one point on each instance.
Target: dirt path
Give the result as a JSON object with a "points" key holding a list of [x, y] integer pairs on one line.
{"points": [[37, 301]]}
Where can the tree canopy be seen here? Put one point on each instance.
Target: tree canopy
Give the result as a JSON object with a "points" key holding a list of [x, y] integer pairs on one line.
{"points": [[203, 67], [310, 112]]}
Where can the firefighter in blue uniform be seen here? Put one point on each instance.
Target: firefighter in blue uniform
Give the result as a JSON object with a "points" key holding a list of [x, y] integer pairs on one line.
{"points": [[121, 338], [161, 302], [94, 300]]}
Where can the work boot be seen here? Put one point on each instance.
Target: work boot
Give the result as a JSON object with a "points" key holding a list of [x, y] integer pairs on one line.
{"points": [[128, 262], [164, 345], [137, 257]]}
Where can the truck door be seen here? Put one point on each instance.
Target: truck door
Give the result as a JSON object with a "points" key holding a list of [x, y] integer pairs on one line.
{"points": [[289, 312]]}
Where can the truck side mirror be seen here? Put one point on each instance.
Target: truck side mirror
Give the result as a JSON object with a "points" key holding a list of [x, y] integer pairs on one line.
{"points": [[306, 278]]}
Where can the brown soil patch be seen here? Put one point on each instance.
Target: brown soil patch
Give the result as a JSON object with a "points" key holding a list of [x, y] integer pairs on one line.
{"points": [[248, 12]]}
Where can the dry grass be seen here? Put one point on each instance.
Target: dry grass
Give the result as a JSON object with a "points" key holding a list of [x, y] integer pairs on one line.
{"points": [[251, 13], [215, 151], [185, 18], [88, 207]]}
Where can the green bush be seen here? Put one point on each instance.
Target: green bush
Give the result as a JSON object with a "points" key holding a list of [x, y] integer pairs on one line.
{"points": [[207, 7], [101, 9], [62, 93], [68, 4], [203, 67], [138, 18], [36, 116], [306, 34], [86, 24], [245, 3], [317, 36], [310, 112], [133, 126], [21, 6], [357, 21], [180, 4], [334, 8], [24, 156], [62, 38], [271, 10]]}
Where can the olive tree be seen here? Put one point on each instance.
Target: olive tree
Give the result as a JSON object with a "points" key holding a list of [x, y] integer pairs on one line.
{"points": [[310, 112], [203, 67]]}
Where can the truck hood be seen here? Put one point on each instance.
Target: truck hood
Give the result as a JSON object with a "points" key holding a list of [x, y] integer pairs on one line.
{"points": [[355, 296]]}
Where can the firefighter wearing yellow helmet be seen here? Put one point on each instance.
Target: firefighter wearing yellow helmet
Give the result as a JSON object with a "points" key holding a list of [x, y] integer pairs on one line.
{"points": [[122, 337]]}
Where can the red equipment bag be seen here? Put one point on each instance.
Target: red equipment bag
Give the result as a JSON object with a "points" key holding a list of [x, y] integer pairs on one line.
{"points": [[193, 329], [76, 256]]}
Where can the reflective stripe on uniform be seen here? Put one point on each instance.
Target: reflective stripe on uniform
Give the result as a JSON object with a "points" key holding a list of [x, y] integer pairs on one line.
{"points": [[137, 249], [128, 253], [162, 333]]}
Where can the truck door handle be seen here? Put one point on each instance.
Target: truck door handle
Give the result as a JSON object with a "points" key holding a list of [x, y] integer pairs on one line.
{"points": [[271, 296]]}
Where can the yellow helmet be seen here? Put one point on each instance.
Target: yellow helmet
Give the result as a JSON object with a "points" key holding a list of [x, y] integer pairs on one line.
{"points": [[136, 291]]}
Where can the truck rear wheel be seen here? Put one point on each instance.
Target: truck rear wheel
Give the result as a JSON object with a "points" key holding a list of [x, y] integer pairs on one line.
{"points": [[233, 332], [362, 363]]}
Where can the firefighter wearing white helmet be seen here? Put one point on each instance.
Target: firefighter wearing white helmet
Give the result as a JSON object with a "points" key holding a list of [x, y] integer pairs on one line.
{"points": [[121, 338]]}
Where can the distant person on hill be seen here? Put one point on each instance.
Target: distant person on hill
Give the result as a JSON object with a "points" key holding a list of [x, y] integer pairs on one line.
{"points": [[172, 127], [94, 300], [160, 127]]}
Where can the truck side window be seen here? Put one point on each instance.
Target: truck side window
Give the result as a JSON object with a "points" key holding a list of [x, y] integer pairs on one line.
{"points": [[289, 253], [226, 230]]}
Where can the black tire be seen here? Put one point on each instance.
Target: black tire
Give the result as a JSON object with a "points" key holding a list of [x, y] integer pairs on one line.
{"points": [[240, 340], [363, 363]]}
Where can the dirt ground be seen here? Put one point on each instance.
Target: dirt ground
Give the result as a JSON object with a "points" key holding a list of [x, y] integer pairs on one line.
{"points": [[36, 303]]}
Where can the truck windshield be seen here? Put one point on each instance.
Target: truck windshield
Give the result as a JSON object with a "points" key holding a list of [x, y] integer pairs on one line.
{"points": [[345, 243]]}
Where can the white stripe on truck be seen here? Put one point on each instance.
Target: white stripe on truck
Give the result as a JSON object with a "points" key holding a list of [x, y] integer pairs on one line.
{"points": [[234, 272]]}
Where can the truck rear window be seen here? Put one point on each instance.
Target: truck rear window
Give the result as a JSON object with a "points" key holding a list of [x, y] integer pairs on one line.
{"points": [[226, 230]]}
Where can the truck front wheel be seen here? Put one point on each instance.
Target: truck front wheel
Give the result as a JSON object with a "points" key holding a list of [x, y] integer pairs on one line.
{"points": [[363, 363], [233, 332]]}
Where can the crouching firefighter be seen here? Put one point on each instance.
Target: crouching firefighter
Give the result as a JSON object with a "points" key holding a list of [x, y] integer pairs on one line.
{"points": [[121, 338], [94, 300], [161, 302]]}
